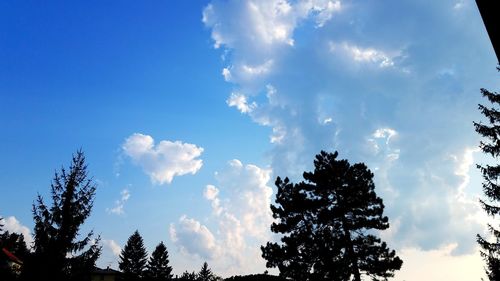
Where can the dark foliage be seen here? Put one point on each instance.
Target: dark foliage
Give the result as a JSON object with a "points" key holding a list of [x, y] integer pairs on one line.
{"points": [[256, 277], [206, 273], [491, 173], [58, 254], [158, 268], [187, 276], [14, 244], [326, 222], [133, 258]]}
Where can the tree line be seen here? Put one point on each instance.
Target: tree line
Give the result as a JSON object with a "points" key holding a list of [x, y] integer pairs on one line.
{"points": [[325, 222], [135, 266]]}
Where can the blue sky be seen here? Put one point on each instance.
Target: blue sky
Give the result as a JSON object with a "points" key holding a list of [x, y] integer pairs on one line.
{"points": [[188, 110]]}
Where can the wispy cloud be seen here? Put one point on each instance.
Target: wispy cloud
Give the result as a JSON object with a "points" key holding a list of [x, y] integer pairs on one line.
{"points": [[165, 160], [118, 209], [363, 55]]}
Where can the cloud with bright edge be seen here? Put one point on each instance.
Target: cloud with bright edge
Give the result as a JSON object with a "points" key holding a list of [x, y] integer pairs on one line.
{"points": [[165, 160], [239, 223], [383, 96], [13, 225]]}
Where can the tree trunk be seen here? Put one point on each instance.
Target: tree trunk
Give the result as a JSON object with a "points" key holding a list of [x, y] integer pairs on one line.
{"points": [[350, 252]]}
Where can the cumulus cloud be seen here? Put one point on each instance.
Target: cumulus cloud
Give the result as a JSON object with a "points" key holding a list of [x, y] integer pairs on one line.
{"points": [[112, 246], [120, 203], [378, 95], [241, 218], [194, 238], [240, 102], [165, 160], [13, 225]]}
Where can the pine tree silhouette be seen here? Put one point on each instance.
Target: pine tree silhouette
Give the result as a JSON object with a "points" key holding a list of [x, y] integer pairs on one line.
{"points": [[326, 222]]}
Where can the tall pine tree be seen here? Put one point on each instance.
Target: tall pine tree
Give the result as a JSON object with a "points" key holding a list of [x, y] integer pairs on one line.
{"points": [[158, 268], [59, 254], [206, 273], [327, 223], [133, 258], [491, 174]]}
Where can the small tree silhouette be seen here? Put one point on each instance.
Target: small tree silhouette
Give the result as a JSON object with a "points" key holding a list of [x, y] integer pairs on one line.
{"points": [[133, 258], [205, 273], [158, 268]]}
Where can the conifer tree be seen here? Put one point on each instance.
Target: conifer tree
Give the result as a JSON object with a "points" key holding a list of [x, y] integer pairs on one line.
{"points": [[188, 276], [59, 254], [158, 268], [327, 223], [14, 244], [491, 187], [133, 258], [206, 273]]}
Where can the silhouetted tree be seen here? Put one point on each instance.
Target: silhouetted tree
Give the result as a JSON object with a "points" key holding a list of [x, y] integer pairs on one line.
{"points": [[11, 243], [491, 174], [58, 253], [14, 243], [256, 277], [133, 258], [206, 273], [327, 222], [188, 276], [158, 268]]}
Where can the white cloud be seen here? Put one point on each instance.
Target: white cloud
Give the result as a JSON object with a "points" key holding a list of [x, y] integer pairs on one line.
{"points": [[241, 217], [256, 70], [194, 238], [112, 246], [211, 194], [119, 204], [226, 72], [13, 225], [261, 27], [240, 102], [439, 264], [366, 55], [264, 22], [164, 161], [393, 120]]}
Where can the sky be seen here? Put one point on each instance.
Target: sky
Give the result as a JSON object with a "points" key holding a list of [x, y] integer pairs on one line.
{"points": [[187, 111]]}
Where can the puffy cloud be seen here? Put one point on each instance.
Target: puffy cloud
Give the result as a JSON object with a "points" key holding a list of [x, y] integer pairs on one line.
{"points": [[263, 28], [240, 102], [194, 238], [119, 204], [266, 22], [112, 246], [409, 120], [164, 161], [13, 225], [241, 219], [211, 194]]}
